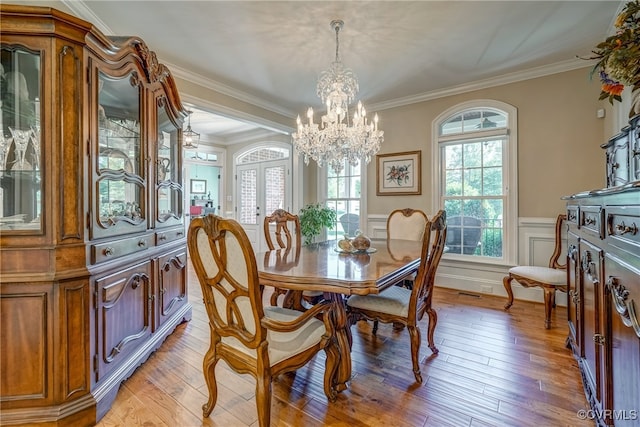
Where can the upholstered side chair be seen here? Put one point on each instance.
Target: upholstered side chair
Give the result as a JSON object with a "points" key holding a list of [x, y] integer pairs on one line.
{"points": [[261, 341], [407, 306], [550, 279]]}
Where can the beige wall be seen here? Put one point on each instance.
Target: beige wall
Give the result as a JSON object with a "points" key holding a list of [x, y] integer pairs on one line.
{"points": [[559, 139], [558, 144]]}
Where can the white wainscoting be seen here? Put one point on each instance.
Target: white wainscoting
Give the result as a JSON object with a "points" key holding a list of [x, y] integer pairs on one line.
{"points": [[536, 240]]}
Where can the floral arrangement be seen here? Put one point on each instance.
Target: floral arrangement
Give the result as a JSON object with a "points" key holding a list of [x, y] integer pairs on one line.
{"points": [[619, 55]]}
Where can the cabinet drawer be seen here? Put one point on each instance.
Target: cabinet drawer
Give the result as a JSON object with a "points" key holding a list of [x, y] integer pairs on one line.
{"points": [[114, 249], [572, 215], [169, 236], [591, 220], [623, 226]]}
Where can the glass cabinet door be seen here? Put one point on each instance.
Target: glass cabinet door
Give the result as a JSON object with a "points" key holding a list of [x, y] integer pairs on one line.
{"points": [[169, 190], [20, 143], [120, 174]]}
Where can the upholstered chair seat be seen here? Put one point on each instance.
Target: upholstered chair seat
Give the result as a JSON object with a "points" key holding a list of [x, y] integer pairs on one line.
{"points": [[393, 301], [546, 275]]}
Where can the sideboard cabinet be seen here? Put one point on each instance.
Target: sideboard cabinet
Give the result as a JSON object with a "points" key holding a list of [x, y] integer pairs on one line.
{"points": [[92, 237], [603, 256]]}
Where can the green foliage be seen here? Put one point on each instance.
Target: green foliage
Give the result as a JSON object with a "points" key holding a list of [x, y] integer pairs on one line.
{"points": [[619, 54], [313, 219]]}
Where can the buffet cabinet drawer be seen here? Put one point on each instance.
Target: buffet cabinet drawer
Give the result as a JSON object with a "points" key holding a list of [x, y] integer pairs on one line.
{"points": [[623, 227], [114, 249], [591, 220], [572, 215], [163, 237]]}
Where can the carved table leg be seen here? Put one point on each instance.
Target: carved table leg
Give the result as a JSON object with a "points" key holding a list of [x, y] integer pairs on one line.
{"points": [[507, 286], [343, 335]]}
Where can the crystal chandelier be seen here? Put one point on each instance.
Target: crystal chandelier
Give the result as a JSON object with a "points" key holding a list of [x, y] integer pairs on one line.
{"points": [[191, 138], [337, 138]]}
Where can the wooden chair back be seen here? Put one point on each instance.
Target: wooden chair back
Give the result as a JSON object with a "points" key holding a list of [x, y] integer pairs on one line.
{"points": [[407, 224], [287, 229], [557, 250], [225, 264], [435, 236]]}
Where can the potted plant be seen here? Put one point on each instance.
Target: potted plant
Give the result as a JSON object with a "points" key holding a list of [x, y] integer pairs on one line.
{"points": [[619, 56], [313, 219]]}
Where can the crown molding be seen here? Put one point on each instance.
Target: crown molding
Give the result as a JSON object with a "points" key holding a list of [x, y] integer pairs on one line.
{"points": [[224, 89], [223, 110], [82, 11], [532, 73]]}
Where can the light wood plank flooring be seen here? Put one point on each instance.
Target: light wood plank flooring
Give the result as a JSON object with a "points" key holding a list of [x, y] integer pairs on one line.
{"points": [[495, 368]]}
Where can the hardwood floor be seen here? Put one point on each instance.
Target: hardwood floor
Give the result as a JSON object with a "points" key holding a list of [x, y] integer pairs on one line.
{"points": [[495, 368]]}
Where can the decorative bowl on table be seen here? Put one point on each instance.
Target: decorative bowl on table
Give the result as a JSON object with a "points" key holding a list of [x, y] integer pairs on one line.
{"points": [[361, 243]]}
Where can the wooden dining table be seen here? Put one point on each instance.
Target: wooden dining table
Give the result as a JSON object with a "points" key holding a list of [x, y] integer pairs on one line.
{"points": [[323, 267]]}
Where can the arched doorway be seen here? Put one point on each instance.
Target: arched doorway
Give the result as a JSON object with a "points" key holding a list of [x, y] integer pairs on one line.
{"points": [[263, 184]]}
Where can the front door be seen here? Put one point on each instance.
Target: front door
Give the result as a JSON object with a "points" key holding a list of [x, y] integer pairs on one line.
{"points": [[261, 188]]}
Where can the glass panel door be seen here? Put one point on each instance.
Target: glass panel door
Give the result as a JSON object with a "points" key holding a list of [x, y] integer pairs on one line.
{"points": [[169, 190], [120, 182], [261, 189], [20, 141]]}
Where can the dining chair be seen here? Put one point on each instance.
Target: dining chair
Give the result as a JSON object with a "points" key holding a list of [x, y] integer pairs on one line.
{"points": [[259, 340], [282, 231], [406, 224], [407, 306], [551, 279]]}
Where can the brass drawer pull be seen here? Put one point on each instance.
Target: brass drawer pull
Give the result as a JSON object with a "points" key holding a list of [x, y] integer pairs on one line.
{"points": [[142, 243], [624, 229], [589, 221], [108, 251]]}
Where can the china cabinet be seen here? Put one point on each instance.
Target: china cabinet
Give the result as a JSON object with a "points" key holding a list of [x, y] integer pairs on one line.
{"points": [[92, 236], [604, 284]]}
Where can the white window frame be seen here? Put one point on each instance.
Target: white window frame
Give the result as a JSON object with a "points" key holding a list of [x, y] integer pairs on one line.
{"points": [[322, 193], [510, 236]]}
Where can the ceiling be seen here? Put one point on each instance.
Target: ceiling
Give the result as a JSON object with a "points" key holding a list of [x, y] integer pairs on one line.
{"points": [[270, 53]]}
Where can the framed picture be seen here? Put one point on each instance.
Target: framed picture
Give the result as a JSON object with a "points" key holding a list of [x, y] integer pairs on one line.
{"points": [[398, 173], [198, 186]]}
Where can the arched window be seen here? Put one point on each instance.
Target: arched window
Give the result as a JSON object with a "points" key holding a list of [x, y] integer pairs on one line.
{"points": [[475, 179]]}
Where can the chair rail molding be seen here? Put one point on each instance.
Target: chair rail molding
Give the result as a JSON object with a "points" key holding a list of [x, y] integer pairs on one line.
{"points": [[536, 237]]}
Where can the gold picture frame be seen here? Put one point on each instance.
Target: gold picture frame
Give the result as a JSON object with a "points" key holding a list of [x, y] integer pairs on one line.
{"points": [[399, 174]]}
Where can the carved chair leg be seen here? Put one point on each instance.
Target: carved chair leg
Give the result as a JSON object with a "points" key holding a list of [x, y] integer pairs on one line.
{"points": [[263, 399], [549, 295], [414, 334], [431, 328], [209, 369], [506, 282]]}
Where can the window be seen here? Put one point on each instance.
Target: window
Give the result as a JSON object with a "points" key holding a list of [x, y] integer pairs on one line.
{"points": [[343, 194], [476, 177]]}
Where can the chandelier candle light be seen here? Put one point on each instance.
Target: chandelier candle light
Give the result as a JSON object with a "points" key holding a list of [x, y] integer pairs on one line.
{"points": [[335, 139]]}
